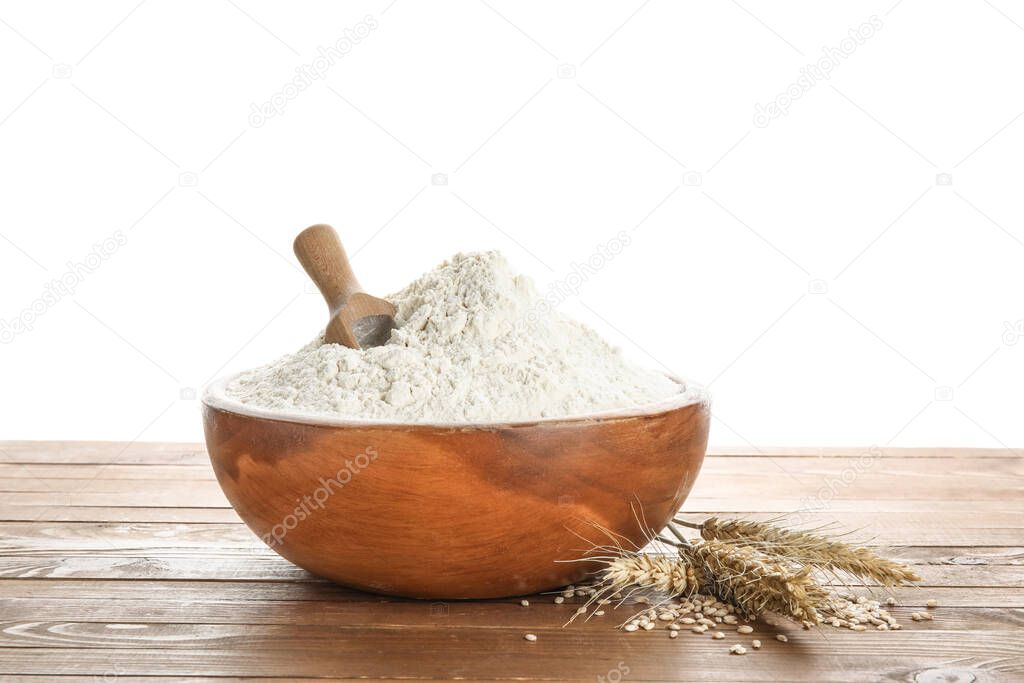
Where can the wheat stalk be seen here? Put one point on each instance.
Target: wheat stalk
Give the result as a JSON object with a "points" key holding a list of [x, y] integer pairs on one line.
{"points": [[808, 549], [754, 567], [754, 582]]}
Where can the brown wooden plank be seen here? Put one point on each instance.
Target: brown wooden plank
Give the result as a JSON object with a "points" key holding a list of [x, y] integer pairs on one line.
{"points": [[113, 589], [182, 488], [922, 526], [711, 502], [930, 452], [267, 567], [116, 471], [169, 568], [74, 513], [102, 452], [46, 535], [917, 555], [503, 654], [810, 489], [64, 633], [202, 494], [376, 611], [853, 514], [147, 589], [114, 535]]}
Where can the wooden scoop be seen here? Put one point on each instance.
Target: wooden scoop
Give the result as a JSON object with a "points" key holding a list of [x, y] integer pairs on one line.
{"points": [[358, 320]]}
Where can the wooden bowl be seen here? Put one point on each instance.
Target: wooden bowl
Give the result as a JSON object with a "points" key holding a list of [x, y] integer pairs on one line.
{"points": [[453, 511]]}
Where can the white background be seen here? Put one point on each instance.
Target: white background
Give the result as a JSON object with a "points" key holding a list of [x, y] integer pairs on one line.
{"points": [[814, 271]]}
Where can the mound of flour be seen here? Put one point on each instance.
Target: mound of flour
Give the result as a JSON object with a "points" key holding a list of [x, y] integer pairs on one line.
{"points": [[475, 342]]}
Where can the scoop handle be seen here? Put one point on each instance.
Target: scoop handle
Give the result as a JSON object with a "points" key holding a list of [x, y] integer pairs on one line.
{"points": [[319, 250]]}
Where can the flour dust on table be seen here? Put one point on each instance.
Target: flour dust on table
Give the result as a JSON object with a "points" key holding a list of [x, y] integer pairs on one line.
{"points": [[475, 342]]}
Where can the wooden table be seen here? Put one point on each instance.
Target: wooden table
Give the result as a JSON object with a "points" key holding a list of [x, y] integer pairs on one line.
{"points": [[124, 561]]}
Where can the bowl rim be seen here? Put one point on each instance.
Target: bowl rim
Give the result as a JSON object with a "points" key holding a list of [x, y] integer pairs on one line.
{"points": [[691, 393]]}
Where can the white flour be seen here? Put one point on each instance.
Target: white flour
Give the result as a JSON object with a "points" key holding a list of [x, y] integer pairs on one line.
{"points": [[475, 343]]}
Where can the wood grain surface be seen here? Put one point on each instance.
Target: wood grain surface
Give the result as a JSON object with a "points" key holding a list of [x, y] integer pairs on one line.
{"points": [[124, 562]]}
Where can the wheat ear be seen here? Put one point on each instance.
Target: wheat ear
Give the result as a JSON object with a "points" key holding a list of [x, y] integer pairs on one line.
{"points": [[668, 574], [754, 582], [808, 549]]}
